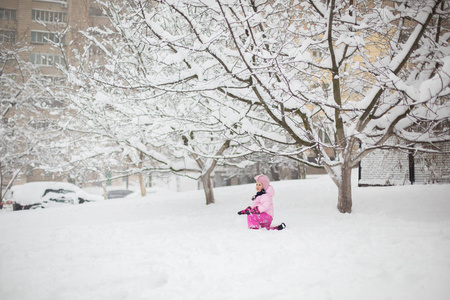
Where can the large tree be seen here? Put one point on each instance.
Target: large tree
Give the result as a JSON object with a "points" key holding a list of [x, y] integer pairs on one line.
{"points": [[335, 79], [147, 133], [157, 130]]}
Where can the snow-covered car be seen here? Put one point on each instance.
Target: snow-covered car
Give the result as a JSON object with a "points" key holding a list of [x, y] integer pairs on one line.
{"points": [[44, 194], [113, 194], [8, 205]]}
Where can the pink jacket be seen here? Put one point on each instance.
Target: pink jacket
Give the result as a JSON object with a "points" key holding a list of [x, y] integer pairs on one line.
{"points": [[265, 202]]}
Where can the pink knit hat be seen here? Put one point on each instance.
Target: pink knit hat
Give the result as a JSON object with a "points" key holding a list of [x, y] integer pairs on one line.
{"points": [[264, 180]]}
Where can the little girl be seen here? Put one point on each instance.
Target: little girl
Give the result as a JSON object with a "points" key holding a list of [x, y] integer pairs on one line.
{"points": [[260, 213]]}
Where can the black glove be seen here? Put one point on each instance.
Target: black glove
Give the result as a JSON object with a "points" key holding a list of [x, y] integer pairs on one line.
{"points": [[255, 211], [246, 211]]}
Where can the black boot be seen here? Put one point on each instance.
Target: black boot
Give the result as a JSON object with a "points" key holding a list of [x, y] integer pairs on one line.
{"points": [[281, 226]]}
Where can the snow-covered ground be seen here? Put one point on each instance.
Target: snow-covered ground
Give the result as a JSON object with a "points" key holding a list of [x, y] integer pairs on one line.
{"points": [[395, 245]]}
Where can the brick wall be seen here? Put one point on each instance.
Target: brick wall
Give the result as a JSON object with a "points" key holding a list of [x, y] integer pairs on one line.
{"points": [[433, 167], [385, 167], [392, 167]]}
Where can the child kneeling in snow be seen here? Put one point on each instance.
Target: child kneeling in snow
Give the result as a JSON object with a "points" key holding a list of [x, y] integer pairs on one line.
{"points": [[260, 213]]}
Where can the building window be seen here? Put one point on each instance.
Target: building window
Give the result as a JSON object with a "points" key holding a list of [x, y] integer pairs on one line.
{"points": [[54, 1], [43, 37], [7, 14], [317, 54], [40, 124], [48, 102], [48, 16], [96, 11], [54, 80], [45, 59], [62, 2], [7, 36]]}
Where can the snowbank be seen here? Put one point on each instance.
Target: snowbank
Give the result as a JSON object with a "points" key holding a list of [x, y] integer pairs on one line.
{"points": [[395, 245]]}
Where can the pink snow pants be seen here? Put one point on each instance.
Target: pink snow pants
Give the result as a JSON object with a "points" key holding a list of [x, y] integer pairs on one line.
{"points": [[255, 221]]}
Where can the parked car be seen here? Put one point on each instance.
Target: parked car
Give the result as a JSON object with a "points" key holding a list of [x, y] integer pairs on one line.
{"points": [[44, 194], [118, 194], [9, 205]]}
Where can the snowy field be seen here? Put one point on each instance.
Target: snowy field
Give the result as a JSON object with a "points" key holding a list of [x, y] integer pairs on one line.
{"points": [[395, 245]]}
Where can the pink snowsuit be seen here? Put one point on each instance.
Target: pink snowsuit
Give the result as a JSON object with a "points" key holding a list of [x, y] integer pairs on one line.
{"points": [[265, 206]]}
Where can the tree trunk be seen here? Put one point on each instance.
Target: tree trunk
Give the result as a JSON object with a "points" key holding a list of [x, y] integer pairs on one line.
{"points": [[345, 190], [142, 185], [141, 177], [1, 182], [301, 171], [105, 192], [208, 188]]}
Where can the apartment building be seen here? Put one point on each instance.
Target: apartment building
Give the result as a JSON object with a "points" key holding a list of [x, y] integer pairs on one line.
{"points": [[44, 33], [37, 23]]}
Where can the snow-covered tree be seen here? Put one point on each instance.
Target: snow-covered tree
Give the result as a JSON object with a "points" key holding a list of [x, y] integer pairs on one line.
{"points": [[29, 110], [335, 79], [150, 133], [158, 131]]}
